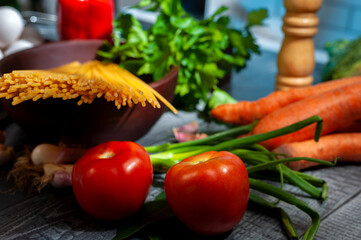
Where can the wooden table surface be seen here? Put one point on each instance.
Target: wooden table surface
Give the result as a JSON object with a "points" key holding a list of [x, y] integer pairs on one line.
{"points": [[54, 213]]}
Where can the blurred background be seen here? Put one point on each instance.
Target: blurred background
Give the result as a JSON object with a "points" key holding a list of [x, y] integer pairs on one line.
{"points": [[339, 19]]}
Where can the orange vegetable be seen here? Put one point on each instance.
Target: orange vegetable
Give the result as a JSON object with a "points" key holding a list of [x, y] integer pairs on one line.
{"points": [[338, 108], [344, 146], [245, 112], [354, 127]]}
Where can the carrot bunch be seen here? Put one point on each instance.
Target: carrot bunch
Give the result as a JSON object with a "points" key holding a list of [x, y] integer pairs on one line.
{"points": [[337, 102]]}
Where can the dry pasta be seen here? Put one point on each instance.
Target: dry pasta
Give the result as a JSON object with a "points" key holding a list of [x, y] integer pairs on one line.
{"points": [[87, 81]]}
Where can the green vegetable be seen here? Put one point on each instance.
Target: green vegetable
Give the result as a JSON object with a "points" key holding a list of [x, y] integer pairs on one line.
{"points": [[345, 59], [291, 199], [170, 155], [262, 164], [205, 50], [151, 212], [219, 97], [261, 203]]}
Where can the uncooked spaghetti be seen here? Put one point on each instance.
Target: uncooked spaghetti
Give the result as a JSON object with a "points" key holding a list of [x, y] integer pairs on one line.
{"points": [[87, 81]]}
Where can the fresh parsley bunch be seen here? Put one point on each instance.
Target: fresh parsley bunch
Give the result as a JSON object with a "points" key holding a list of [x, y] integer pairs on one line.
{"points": [[204, 50]]}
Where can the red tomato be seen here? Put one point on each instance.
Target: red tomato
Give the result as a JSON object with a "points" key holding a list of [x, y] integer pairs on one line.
{"points": [[208, 192], [112, 180]]}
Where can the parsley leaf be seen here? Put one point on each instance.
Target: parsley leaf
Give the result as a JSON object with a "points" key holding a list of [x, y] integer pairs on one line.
{"points": [[256, 17], [205, 50]]}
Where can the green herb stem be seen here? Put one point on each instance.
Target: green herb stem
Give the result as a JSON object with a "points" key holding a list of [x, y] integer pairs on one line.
{"points": [[251, 157], [291, 175], [178, 155], [166, 160], [207, 140], [284, 160], [157, 148], [303, 184], [262, 163], [311, 179], [291, 199], [248, 140], [287, 224]]}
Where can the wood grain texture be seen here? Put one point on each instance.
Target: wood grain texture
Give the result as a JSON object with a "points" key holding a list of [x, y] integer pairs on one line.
{"points": [[344, 223], [296, 60]]}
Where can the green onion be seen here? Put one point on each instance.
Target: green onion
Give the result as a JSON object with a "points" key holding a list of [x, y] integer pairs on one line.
{"points": [[291, 199], [267, 206], [263, 164]]}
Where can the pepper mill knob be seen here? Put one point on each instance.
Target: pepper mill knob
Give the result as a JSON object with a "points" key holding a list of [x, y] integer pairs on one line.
{"points": [[296, 60]]}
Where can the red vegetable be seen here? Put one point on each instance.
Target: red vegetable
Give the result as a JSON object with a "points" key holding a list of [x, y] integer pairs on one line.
{"points": [[112, 180], [208, 192], [85, 19]]}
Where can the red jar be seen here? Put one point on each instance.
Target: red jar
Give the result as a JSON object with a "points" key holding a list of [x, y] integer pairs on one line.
{"points": [[85, 19]]}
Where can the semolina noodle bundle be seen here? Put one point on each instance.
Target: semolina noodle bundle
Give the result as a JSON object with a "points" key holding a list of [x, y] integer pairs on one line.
{"points": [[88, 81]]}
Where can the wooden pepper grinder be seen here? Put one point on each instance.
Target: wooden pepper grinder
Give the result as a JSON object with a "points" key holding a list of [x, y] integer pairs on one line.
{"points": [[296, 60]]}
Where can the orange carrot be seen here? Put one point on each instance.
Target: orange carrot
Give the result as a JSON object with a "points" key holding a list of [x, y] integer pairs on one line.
{"points": [[245, 112], [344, 146], [354, 127], [338, 108]]}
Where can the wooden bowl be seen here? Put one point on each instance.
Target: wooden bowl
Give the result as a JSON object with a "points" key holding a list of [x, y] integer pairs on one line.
{"points": [[88, 124]]}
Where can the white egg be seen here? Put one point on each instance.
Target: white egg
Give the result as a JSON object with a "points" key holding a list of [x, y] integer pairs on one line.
{"points": [[1, 55], [18, 46], [11, 25]]}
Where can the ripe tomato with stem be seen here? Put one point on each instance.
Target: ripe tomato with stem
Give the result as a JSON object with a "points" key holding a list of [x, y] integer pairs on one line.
{"points": [[112, 180], [208, 192]]}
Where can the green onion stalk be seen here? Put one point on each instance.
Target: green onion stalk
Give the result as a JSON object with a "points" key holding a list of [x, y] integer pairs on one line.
{"points": [[262, 165]]}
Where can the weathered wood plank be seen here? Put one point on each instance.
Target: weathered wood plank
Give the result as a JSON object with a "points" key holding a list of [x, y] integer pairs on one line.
{"points": [[55, 213], [345, 223]]}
